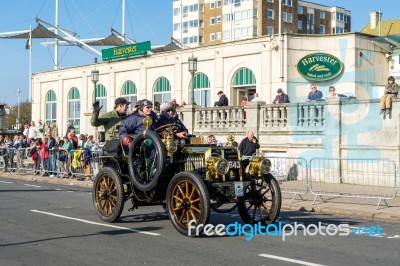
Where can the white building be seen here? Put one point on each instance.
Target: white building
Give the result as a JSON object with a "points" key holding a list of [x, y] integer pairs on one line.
{"points": [[237, 68]]}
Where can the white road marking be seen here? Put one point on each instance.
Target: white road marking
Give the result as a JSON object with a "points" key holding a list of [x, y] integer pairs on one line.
{"points": [[31, 185], [395, 236], [6, 182], [90, 222], [289, 260]]}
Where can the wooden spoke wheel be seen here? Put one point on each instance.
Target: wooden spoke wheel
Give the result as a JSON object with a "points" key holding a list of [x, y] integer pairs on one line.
{"points": [[262, 202], [108, 194], [187, 200]]}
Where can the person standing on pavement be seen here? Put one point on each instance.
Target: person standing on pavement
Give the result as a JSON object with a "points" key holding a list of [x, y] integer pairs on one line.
{"points": [[51, 142], [32, 131], [247, 148], [111, 120]]}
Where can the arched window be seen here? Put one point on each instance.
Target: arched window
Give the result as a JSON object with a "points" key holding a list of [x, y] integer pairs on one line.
{"points": [[101, 96], [51, 107], [129, 92], [162, 90], [202, 92], [244, 76], [243, 84], [74, 109]]}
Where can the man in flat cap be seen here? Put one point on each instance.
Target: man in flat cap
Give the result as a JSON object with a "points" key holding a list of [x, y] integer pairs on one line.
{"points": [[281, 97], [111, 120], [223, 100]]}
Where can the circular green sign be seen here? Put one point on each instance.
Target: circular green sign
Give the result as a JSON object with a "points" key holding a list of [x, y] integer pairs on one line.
{"points": [[319, 67]]}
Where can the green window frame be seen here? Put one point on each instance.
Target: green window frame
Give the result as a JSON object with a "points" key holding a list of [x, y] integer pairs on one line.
{"points": [[162, 90], [51, 107], [244, 76], [74, 109], [129, 92]]}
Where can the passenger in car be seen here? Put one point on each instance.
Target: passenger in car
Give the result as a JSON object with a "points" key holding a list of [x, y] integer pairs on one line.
{"points": [[133, 124], [169, 116], [110, 120]]}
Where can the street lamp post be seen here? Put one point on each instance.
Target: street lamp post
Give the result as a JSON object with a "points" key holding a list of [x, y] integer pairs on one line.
{"points": [[95, 78], [192, 69], [19, 95]]}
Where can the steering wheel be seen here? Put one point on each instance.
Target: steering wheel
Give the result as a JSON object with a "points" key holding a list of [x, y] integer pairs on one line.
{"points": [[172, 127]]}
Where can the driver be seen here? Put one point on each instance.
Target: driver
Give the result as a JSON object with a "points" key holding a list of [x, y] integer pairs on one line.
{"points": [[133, 124], [169, 116]]}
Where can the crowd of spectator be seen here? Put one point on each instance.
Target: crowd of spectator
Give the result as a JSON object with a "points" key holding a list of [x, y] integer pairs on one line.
{"points": [[43, 151]]}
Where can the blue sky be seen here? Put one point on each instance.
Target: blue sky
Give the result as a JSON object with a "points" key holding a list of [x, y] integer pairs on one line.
{"points": [[144, 20]]}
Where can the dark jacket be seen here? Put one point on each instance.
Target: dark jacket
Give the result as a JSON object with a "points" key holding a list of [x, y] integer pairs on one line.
{"points": [[133, 124], [284, 98], [248, 147], [110, 121], [223, 101], [51, 142]]}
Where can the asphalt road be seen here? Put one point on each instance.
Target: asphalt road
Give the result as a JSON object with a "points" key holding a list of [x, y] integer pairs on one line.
{"points": [[50, 224]]}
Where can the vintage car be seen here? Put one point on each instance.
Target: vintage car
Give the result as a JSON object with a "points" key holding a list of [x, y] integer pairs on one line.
{"points": [[187, 179]]}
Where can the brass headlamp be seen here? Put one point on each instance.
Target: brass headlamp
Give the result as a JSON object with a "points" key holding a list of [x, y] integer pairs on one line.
{"points": [[170, 144], [259, 166], [216, 166]]}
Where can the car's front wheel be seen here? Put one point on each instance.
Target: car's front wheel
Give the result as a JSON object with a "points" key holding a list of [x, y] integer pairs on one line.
{"points": [[188, 202]]}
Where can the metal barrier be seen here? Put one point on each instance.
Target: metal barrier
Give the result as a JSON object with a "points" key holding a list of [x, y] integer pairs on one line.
{"points": [[83, 163], [353, 178], [26, 162], [9, 159], [292, 175]]}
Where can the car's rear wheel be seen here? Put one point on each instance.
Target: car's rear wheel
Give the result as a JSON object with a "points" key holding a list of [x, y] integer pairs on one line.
{"points": [[108, 194], [262, 201], [188, 202]]}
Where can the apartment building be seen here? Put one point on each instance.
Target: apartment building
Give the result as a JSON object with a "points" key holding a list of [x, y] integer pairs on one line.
{"points": [[207, 22]]}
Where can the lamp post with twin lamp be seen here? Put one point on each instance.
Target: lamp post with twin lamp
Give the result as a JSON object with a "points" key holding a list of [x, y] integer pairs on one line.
{"points": [[95, 78], [192, 69]]}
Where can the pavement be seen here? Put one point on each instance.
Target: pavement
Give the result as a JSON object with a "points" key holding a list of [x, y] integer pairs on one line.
{"points": [[347, 207]]}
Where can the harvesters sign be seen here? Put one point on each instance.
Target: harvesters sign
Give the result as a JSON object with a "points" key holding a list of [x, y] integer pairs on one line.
{"points": [[126, 51], [319, 67]]}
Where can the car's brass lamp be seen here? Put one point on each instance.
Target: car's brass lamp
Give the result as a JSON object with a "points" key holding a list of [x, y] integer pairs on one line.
{"points": [[231, 141], [259, 166], [170, 144], [216, 167]]}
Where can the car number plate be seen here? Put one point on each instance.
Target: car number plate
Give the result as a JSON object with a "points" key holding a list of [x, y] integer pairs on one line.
{"points": [[234, 164], [239, 189]]}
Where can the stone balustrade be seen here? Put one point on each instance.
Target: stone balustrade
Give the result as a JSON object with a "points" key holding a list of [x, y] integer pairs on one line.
{"points": [[334, 128]]}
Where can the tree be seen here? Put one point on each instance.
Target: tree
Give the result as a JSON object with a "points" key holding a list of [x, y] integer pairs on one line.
{"points": [[25, 114]]}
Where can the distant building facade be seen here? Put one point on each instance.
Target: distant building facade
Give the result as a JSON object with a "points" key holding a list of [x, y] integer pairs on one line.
{"points": [[207, 22]]}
